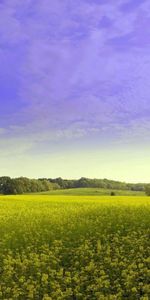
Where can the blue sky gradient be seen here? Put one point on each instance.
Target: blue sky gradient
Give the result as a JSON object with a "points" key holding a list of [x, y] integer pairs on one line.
{"points": [[74, 89]]}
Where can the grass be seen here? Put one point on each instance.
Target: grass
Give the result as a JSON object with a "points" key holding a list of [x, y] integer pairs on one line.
{"points": [[92, 192], [74, 247]]}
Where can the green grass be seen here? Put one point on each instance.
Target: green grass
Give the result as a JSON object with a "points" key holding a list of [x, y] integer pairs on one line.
{"points": [[74, 247], [92, 192]]}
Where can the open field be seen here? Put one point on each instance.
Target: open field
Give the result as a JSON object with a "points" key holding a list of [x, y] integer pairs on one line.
{"points": [[92, 192], [74, 247]]}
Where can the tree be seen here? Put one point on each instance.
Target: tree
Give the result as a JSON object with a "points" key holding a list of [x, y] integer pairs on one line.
{"points": [[13, 187], [112, 194], [3, 181], [147, 190], [23, 185]]}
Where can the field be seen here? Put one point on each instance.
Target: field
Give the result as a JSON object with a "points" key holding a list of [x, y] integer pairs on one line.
{"points": [[74, 247], [92, 192]]}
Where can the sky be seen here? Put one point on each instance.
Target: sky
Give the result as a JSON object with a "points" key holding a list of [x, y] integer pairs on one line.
{"points": [[75, 89]]}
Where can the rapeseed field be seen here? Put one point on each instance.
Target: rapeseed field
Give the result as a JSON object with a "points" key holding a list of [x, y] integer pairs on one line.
{"points": [[74, 247]]}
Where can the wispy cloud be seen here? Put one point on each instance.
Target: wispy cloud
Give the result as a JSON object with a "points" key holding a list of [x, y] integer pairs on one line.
{"points": [[73, 70]]}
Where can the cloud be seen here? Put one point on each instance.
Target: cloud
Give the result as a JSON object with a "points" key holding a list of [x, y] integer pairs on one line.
{"points": [[2, 131], [79, 69], [131, 5]]}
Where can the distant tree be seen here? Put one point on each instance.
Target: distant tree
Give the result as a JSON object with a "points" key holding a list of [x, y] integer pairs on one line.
{"points": [[23, 185], [137, 187], [61, 182], [13, 187], [56, 186], [3, 181], [112, 193], [83, 182], [147, 190]]}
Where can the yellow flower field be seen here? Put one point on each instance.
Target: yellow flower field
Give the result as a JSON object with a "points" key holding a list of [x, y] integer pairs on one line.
{"points": [[74, 247]]}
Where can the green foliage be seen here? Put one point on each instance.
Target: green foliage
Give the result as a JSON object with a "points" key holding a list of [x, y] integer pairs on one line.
{"points": [[25, 185], [112, 193], [3, 181], [74, 248], [147, 189], [97, 183]]}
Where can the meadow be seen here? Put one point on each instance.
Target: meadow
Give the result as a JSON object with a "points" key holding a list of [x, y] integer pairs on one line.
{"points": [[74, 247], [92, 192]]}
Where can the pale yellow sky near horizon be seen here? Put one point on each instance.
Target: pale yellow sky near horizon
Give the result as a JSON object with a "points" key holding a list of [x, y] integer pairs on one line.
{"points": [[117, 164]]}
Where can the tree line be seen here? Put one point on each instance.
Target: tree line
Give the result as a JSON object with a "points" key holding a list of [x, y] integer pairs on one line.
{"points": [[97, 183], [24, 185]]}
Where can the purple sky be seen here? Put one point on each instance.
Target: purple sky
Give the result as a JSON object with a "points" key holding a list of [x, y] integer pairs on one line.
{"points": [[75, 88]]}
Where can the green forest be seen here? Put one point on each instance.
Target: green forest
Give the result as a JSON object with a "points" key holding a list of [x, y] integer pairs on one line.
{"points": [[22, 185]]}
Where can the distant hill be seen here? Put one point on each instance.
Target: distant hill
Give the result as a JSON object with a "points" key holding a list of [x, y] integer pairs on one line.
{"points": [[92, 192], [97, 183], [24, 185]]}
